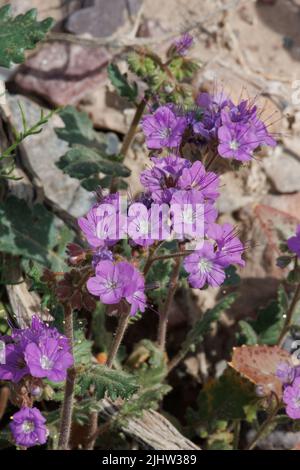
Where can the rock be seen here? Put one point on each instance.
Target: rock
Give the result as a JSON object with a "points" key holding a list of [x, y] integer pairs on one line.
{"points": [[63, 73], [283, 170], [57, 9], [42, 151], [102, 18], [107, 110], [289, 204]]}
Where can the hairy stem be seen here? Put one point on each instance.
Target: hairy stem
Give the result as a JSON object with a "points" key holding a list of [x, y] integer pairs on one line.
{"points": [[263, 428], [121, 328], [289, 315], [68, 401], [164, 313], [129, 137]]}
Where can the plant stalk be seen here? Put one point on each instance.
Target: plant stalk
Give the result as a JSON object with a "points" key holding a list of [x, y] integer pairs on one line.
{"points": [[68, 401], [289, 315]]}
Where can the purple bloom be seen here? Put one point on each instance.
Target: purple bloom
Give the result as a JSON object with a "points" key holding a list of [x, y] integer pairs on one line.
{"points": [[48, 359], [162, 179], [196, 177], [230, 248], [101, 254], [104, 224], [211, 118], [291, 397], [15, 367], [116, 281], [183, 44], [28, 427], [163, 128], [139, 224], [286, 373], [236, 141], [204, 268], [294, 242]]}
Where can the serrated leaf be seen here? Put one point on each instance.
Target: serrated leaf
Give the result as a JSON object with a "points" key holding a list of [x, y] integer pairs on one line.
{"points": [[19, 33], [82, 163], [104, 381], [29, 232], [120, 82], [148, 363]]}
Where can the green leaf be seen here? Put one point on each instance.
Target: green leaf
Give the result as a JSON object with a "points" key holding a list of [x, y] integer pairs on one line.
{"points": [[121, 84], [82, 349], [203, 325], [223, 399], [19, 33], [107, 381], [82, 163], [248, 333], [148, 363], [29, 232]]}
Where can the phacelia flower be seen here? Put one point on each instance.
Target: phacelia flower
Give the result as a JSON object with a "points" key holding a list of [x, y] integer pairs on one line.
{"points": [[162, 179], [104, 224], [116, 281], [48, 360], [195, 177], [183, 44], [137, 298], [163, 128], [287, 373], [236, 141], [28, 427], [204, 268], [211, 120], [15, 367], [229, 246], [294, 242], [291, 397]]}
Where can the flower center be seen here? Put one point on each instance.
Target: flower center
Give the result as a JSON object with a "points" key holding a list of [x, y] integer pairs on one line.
{"points": [[165, 133], [27, 426], [234, 145], [46, 363], [205, 265], [111, 285]]}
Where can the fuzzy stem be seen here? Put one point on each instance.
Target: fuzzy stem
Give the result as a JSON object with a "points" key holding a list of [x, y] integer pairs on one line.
{"points": [[92, 431], [177, 359], [121, 328], [263, 428], [289, 315], [68, 401], [129, 137], [164, 313]]}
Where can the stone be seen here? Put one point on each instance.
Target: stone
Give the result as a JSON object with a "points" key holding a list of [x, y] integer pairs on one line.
{"points": [[42, 151], [288, 203], [63, 73], [283, 170], [101, 18]]}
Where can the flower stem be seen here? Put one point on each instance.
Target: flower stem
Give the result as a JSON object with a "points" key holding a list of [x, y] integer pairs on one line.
{"points": [[121, 328], [129, 137], [68, 401], [263, 428], [164, 313], [289, 315]]}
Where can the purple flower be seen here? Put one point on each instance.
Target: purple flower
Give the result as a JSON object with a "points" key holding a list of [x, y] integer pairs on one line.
{"points": [[28, 427], [139, 224], [162, 179], [104, 224], [286, 373], [163, 128], [294, 242], [101, 254], [195, 177], [48, 359], [204, 268], [291, 397], [230, 248], [211, 118], [236, 141], [15, 367], [183, 44], [116, 281]]}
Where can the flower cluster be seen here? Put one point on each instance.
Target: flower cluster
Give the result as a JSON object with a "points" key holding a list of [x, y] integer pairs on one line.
{"points": [[290, 378], [32, 354], [235, 129]]}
